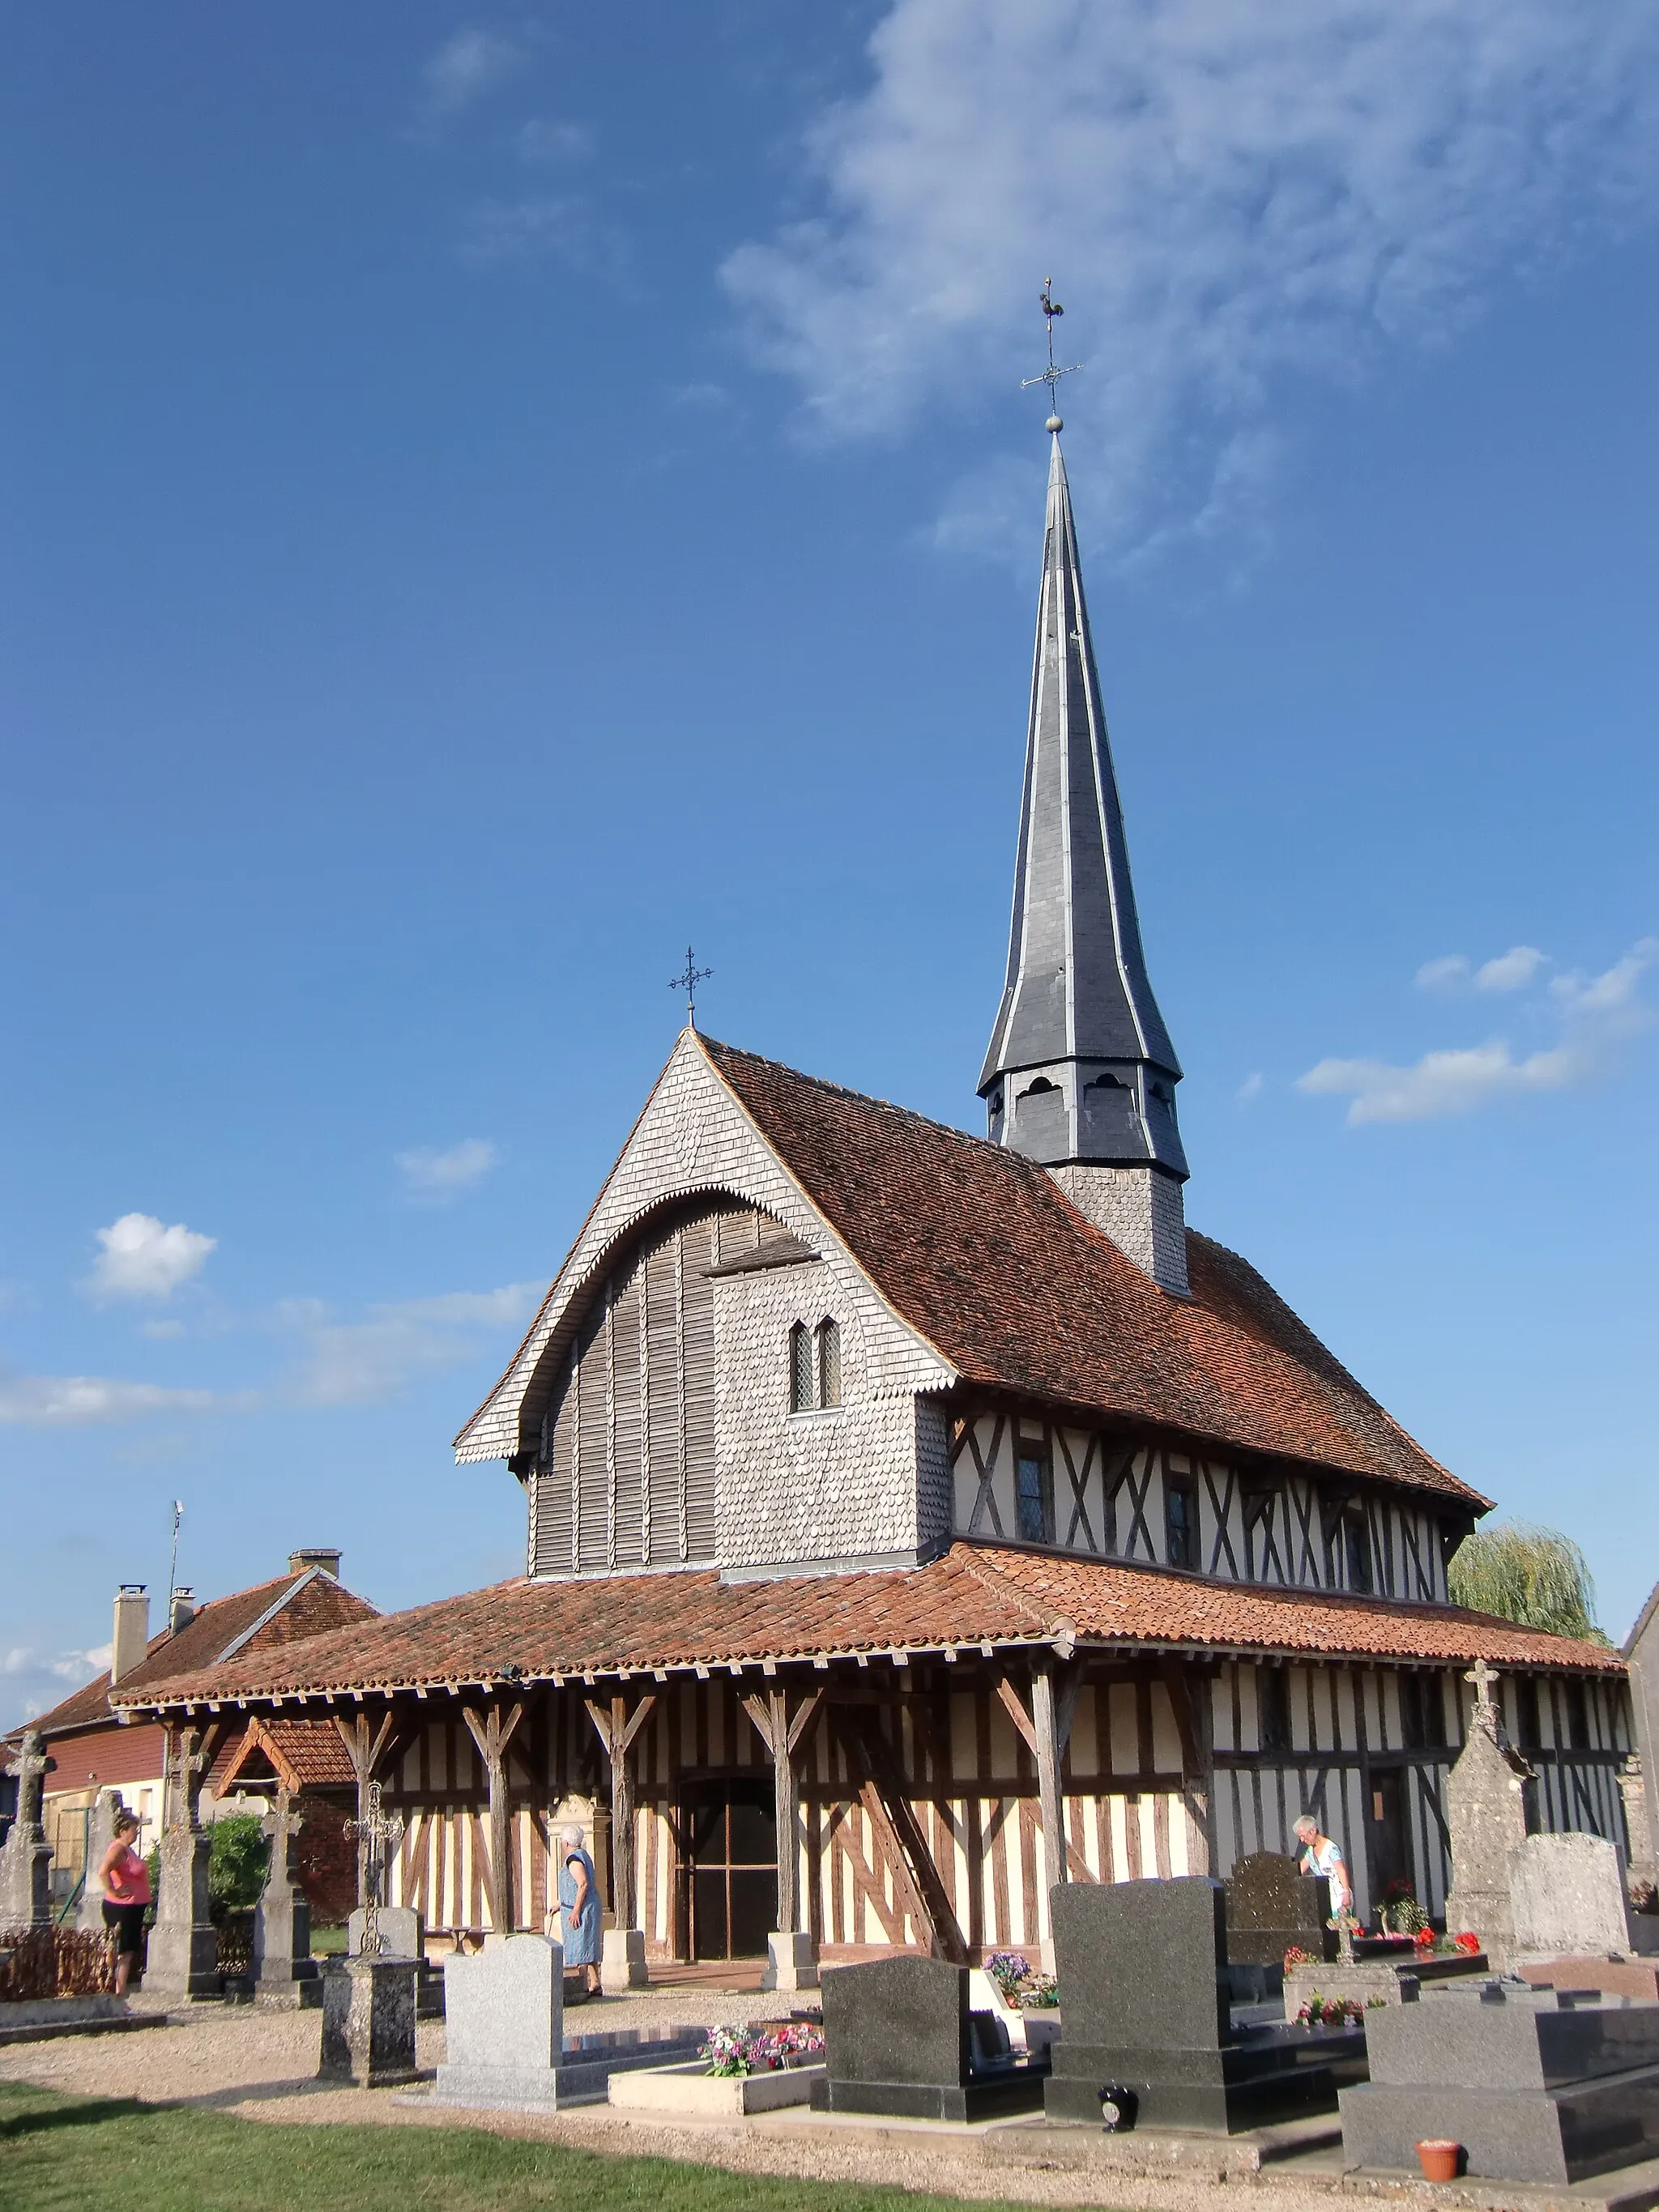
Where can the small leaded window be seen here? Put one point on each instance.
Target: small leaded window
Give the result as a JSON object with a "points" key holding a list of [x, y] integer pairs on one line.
{"points": [[828, 1363], [1356, 1549], [801, 1395], [1031, 1496], [1273, 1693], [1181, 1522]]}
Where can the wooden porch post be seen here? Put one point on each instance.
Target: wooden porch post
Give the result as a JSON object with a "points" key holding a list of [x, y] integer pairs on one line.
{"points": [[616, 1728], [366, 1752], [791, 1965], [1046, 1731], [492, 1732]]}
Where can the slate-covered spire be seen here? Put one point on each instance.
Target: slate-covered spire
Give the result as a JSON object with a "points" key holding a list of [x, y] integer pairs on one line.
{"points": [[1080, 1070]]}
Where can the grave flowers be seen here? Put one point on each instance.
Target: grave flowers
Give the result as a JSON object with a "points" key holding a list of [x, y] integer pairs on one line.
{"points": [[732, 2051], [1020, 1982], [1335, 2012]]}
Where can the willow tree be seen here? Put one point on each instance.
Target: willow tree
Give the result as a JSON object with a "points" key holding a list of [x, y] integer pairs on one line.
{"points": [[1535, 1576]]}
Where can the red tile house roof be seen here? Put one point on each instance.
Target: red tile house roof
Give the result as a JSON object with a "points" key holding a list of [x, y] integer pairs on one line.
{"points": [[974, 1594], [980, 1250], [269, 1615]]}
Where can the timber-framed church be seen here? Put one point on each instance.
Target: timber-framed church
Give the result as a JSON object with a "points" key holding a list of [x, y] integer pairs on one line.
{"points": [[915, 1520]]}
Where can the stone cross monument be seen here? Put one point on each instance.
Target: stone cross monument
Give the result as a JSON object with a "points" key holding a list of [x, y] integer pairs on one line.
{"points": [[100, 1834], [282, 1964], [1486, 1815], [382, 1832], [26, 1856], [183, 1958]]}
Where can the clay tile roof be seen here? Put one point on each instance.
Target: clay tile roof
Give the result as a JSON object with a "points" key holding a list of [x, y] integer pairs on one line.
{"points": [[997, 1594], [306, 1754], [321, 1603], [980, 1251]]}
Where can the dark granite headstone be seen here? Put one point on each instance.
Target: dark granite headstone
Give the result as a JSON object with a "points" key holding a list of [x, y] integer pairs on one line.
{"points": [[1142, 1973], [1272, 1906], [899, 2038], [1537, 2085]]}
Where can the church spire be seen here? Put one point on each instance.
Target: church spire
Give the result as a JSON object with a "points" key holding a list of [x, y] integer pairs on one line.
{"points": [[1081, 1073]]}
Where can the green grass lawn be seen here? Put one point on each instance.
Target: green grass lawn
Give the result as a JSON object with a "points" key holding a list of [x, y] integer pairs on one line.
{"points": [[93, 2154]]}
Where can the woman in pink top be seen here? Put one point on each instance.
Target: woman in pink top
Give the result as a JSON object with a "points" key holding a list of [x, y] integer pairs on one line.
{"points": [[126, 1897]]}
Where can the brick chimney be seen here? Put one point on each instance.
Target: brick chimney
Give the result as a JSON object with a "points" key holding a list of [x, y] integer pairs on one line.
{"points": [[315, 1555], [131, 1637], [184, 1609]]}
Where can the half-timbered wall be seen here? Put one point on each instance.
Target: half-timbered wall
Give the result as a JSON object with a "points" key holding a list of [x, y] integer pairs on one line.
{"points": [[1344, 1742], [626, 1474], [1107, 1498]]}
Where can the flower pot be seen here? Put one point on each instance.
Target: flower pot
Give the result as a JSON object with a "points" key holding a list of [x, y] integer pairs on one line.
{"points": [[1439, 2161]]}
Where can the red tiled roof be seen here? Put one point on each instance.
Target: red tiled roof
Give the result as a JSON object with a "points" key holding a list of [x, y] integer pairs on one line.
{"points": [[999, 1594], [310, 1751], [982, 1252], [322, 1604]]}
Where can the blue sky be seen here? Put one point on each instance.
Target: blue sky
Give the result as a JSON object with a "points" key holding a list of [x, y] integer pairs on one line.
{"points": [[491, 495]]}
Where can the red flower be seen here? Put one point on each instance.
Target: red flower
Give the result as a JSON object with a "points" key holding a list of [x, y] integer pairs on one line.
{"points": [[1466, 1943]]}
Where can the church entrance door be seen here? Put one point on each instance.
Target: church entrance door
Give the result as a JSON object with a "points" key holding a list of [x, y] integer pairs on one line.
{"points": [[1389, 1846], [731, 1869]]}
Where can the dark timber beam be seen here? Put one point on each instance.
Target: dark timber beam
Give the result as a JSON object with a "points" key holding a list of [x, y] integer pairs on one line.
{"points": [[616, 1728], [492, 1731], [783, 1736]]}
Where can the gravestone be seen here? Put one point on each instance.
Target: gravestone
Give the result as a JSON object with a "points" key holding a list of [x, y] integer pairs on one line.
{"points": [[284, 1972], [26, 1856], [368, 2022], [1142, 1968], [403, 1932], [182, 1958], [1567, 1898], [100, 1834], [900, 2037], [504, 2035], [1272, 1907], [1536, 2084], [1486, 1821]]}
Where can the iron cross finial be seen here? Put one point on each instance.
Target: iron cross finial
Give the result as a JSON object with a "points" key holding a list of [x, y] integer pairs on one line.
{"points": [[687, 980], [1051, 375]]}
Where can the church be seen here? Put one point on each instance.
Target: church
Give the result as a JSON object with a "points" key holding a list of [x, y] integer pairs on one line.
{"points": [[915, 1520]]}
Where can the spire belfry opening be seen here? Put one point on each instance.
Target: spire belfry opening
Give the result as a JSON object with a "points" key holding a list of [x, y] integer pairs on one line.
{"points": [[1080, 1073]]}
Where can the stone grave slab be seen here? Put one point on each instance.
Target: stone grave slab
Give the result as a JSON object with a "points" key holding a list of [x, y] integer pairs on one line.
{"points": [[284, 1972], [506, 2048], [1271, 1906], [368, 2022], [1536, 2084], [100, 1833], [901, 2039], [26, 1856], [1486, 1822], [1612, 1978], [1142, 1968], [1567, 1898], [181, 1958]]}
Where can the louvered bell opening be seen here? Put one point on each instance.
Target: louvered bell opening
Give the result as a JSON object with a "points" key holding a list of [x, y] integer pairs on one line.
{"points": [[829, 1364]]}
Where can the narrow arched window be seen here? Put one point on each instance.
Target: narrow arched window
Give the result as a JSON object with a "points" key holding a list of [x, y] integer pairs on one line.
{"points": [[828, 1338], [800, 1370]]}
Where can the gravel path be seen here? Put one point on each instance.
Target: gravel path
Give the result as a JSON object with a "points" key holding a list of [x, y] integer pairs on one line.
{"points": [[262, 2065]]}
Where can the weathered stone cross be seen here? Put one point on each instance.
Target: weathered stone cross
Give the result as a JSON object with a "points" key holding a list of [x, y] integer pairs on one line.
{"points": [[282, 1824], [382, 1833], [185, 1779], [30, 1768], [1486, 1712]]}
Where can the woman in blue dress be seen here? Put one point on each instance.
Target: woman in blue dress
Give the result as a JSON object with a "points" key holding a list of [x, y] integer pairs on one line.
{"points": [[579, 1907]]}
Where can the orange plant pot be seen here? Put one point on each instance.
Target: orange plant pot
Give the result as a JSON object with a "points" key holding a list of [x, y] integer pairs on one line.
{"points": [[1439, 2161]]}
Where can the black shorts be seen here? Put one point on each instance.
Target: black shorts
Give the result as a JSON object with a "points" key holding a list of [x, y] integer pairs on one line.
{"points": [[129, 1921]]}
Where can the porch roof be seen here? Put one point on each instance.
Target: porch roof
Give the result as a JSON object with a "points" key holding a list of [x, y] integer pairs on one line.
{"points": [[974, 1596]]}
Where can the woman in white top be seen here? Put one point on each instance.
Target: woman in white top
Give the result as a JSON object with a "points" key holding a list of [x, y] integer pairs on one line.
{"points": [[1321, 1856]]}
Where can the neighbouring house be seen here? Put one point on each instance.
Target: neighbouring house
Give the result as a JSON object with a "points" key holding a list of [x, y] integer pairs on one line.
{"points": [[917, 1519], [96, 1745]]}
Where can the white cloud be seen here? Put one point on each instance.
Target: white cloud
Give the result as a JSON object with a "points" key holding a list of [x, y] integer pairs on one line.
{"points": [[142, 1260], [71, 1401], [1226, 197], [162, 1331], [1250, 1088], [1512, 971], [541, 140], [366, 1362], [1596, 1014], [498, 232], [429, 1174], [1442, 973], [35, 1683], [465, 67]]}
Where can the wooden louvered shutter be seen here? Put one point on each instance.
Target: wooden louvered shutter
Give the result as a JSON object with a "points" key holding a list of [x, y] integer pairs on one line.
{"points": [[593, 1443], [699, 1253], [555, 1519], [660, 1277], [629, 1508]]}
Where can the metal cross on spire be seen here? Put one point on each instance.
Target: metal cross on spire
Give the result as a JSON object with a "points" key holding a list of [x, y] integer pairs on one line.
{"points": [[687, 980], [1051, 375]]}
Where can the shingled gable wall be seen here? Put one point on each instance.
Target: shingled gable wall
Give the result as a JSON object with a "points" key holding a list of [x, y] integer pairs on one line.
{"points": [[870, 1484]]}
